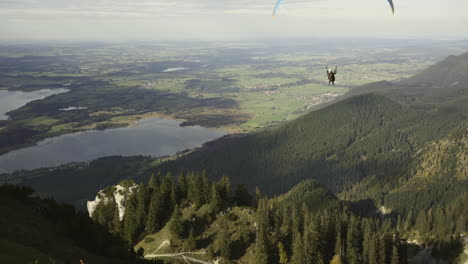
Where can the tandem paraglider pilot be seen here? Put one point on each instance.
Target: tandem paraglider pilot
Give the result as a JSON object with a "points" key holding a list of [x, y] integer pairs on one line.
{"points": [[331, 75]]}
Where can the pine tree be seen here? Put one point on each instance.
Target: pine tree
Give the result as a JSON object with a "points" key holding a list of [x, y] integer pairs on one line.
{"points": [[313, 242], [382, 249], [165, 195], [116, 223], [352, 242], [400, 250], [283, 255], [142, 204], [337, 260], [98, 215], [140, 253], [196, 193], [285, 229], [460, 224], [276, 220], [182, 186], [328, 230], [258, 196], [440, 226], [205, 188], [153, 182], [262, 249], [104, 213], [373, 249], [129, 220], [395, 258], [215, 202], [263, 225], [430, 220], [297, 250], [191, 187], [339, 245], [297, 222], [398, 224], [225, 189], [262, 214], [422, 223], [408, 221], [175, 224], [309, 245], [222, 240], [154, 219], [306, 216], [367, 241], [174, 196], [242, 196]]}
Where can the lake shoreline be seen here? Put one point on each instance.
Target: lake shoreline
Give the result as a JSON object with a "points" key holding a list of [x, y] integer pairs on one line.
{"points": [[127, 121], [152, 136], [11, 100]]}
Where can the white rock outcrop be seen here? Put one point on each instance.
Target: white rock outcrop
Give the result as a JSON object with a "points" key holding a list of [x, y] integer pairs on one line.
{"points": [[120, 195]]}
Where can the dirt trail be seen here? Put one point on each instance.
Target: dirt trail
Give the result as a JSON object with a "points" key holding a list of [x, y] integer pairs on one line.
{"points": [[181, 256], [164, 243]]}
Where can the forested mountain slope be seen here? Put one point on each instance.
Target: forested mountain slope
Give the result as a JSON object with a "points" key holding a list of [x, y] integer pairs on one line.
{"points": [[450, 72], [311, 194], [339, 146], [437, 175], [171, 220], [440, 83], [35, 230]]}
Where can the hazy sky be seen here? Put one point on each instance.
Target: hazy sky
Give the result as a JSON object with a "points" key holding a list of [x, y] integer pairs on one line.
{"points": [[119, 20]]}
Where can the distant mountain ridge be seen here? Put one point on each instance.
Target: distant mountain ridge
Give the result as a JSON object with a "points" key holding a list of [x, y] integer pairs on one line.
{"points": [[442, 82], [450, 72]]}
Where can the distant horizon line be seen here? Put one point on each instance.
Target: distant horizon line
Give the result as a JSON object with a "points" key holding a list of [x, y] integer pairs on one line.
{"points": [[260, 40]]}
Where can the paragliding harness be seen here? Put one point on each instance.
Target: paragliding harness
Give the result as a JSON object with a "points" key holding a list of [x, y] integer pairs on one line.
{"points": [[331, 75]]}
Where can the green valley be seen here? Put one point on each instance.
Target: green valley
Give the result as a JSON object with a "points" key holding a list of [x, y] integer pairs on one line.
{"points": [[230, 86], [373, 174]]}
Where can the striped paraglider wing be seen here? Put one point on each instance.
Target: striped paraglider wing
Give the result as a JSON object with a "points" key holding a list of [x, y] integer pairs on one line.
{"points": [[276, 7], [392, 6]]}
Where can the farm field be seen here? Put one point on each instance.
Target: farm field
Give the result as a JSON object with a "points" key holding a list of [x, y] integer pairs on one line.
{"points": [[235, 87]]}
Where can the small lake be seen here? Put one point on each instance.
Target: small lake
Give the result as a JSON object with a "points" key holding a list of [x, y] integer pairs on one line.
{"points": [[174, 69], [149, 137], [11, 100]]}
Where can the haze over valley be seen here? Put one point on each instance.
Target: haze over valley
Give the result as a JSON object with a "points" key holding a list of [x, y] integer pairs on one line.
{"points": [[331, 134]]}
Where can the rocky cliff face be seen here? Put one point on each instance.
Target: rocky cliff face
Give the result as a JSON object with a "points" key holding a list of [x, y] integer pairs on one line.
{"points": [[118, 192]]}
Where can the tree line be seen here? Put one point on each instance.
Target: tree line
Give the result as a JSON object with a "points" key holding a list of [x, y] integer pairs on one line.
{"points": [[284, 232]]}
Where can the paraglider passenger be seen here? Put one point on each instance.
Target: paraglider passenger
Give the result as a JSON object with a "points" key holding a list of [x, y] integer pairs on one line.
{"points": [[331, 75]]}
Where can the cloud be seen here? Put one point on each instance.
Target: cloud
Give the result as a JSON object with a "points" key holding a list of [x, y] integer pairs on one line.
{"points": [[117, 7], [229, 19]]}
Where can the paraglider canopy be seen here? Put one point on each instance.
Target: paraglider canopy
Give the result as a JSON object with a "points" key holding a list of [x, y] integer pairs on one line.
{"points": [[280, 1], [276, 7], [392, 6]]}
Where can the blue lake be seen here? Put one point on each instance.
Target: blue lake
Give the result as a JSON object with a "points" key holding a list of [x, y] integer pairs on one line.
{"points": [[150, 137], [11, 100]]}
